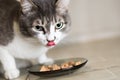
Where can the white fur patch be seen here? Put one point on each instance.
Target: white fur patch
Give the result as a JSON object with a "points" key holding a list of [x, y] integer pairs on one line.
{"points": [[51, 34], [25, 48]]}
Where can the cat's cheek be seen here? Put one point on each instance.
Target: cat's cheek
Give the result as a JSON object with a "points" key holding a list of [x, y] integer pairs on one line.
{"points": [[42, 39], [59, 37]]}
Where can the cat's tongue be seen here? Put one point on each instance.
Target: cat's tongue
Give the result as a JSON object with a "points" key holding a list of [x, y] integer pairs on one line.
{"points": [[51, 43]]}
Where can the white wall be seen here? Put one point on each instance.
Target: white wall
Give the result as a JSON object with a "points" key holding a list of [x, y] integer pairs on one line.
{"points": [[94, 19]]}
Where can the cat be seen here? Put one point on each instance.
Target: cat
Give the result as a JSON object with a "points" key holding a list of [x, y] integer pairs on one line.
{"points": [[28, 29]]}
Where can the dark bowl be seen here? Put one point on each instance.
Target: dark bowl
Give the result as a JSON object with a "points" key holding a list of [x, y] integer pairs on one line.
{"points": [[35, 70]]}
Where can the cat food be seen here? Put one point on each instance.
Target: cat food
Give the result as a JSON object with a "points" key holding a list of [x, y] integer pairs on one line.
{"points": [[50, 67], [54, 67], [71, 62], [66, 65], [77, 63], [44, 68], [58, 67]]}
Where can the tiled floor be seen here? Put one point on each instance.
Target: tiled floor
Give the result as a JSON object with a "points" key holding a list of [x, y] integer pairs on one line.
{"points": [[103, 60]]}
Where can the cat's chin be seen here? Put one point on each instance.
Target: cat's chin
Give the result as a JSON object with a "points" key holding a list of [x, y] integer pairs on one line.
{"points": [[51, 43], [50, 46]]}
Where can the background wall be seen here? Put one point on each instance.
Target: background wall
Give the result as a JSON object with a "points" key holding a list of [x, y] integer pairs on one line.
{"points": [[94, 19]]}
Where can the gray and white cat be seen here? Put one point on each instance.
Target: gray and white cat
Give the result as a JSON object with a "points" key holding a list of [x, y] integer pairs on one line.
{"points": [[28, 29]]}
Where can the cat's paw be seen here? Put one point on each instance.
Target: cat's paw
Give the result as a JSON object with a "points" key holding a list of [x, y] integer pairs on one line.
{"points": [[12, 74], [46, 61]]}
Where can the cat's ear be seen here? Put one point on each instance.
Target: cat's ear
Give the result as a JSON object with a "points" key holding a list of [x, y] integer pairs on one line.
{"points": [[26, 5], [62, 5]]}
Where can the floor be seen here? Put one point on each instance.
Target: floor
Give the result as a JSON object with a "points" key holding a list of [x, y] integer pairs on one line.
{"points": [[103, 60]]}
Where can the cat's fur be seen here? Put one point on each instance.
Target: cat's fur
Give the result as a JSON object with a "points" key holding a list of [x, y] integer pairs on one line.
{"points": [[19, 36]]}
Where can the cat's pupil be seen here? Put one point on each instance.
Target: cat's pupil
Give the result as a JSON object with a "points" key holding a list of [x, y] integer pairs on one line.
{"points": [[59, 25], [39, 28]]}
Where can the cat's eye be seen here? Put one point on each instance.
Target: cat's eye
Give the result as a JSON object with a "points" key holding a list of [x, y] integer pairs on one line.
{"points": [[39, 28], [59, 25]]}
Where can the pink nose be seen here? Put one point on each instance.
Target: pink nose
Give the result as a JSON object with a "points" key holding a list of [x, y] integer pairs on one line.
{"points": [[50, 43]]}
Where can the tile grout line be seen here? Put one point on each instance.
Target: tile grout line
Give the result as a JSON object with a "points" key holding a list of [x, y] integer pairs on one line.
{"points": [[111, 73], [101, 69]]}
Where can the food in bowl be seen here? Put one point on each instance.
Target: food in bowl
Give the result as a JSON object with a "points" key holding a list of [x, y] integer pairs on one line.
{"points": [[65, 65]]}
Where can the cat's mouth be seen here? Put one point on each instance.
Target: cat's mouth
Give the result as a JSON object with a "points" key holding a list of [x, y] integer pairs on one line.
{"points": [[51, 43]]}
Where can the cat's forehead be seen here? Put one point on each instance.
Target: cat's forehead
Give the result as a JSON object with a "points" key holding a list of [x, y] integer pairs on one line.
{"points": [[46, 9], [43, 22]]}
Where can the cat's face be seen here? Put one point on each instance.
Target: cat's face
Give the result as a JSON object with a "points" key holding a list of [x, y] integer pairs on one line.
{"points": [[46, 20]]}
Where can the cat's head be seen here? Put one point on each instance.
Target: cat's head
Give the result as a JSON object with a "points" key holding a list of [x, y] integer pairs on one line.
{"points": [[46, 20]]}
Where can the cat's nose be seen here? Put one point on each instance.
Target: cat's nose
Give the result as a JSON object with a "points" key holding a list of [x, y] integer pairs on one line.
{"points": [[51, 42], [51, 39]]}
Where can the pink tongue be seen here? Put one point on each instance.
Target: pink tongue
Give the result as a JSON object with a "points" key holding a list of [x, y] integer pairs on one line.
{"points": [[50, 43]]}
